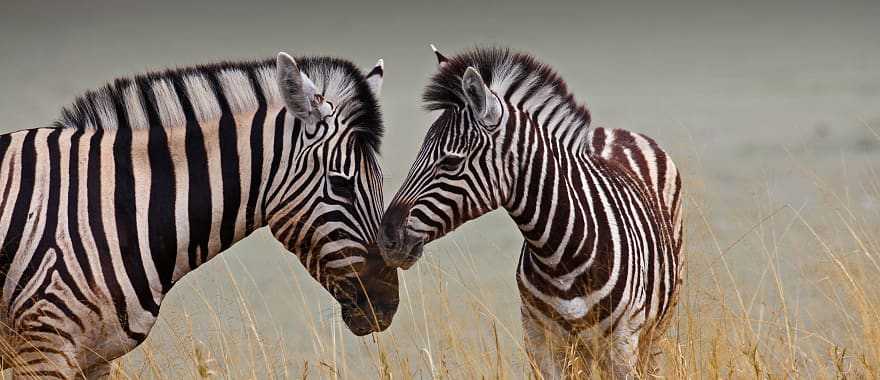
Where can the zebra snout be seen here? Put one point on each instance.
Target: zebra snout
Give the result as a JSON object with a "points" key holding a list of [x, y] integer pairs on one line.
{"points": [[400, 247], [365, 319], [392, 234]]}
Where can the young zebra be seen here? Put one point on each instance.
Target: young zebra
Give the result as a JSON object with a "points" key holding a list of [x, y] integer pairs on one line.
{"points": [[142, 181], [601, 252]]}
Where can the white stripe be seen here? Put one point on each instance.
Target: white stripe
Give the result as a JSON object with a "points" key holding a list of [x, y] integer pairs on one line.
{"points": [[342, 263]]}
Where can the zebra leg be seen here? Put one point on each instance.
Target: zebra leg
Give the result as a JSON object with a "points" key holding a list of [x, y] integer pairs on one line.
{"points": [[624, 355], [648, 351], [648, 364], [539, 344]]}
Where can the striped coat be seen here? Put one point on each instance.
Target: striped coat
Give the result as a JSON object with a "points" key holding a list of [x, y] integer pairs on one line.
{"points": [[144, 180], [598, 208]]}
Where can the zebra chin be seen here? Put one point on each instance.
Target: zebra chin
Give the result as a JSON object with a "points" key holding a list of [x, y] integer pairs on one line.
{"points": [[363, 320]]}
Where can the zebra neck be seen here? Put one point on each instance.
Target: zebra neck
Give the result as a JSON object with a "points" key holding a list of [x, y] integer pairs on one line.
{"points": [[223, 182], [549, 201], [559, 117]]}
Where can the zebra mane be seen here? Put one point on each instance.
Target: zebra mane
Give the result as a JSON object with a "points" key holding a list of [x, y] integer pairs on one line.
{"points": [[167, 99], [515, 76]]}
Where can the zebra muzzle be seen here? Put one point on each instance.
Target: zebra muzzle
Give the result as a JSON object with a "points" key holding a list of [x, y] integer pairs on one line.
{"points": [[399, 246]]}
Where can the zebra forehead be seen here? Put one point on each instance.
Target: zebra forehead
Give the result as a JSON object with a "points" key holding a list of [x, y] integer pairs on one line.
{"points": [[244, 85]]}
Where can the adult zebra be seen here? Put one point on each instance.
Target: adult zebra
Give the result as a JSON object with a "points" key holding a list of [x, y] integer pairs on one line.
{"points": [[599, 209], [143, 180]]}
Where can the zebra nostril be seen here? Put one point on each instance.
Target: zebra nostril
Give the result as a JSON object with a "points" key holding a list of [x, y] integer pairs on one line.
{"points": [[389, 242]]}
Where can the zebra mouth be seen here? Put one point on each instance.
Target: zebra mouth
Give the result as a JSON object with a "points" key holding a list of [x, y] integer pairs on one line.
{"points": [[362, 320]]}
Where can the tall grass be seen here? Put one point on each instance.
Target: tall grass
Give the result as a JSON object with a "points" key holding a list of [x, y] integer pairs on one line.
{"points": [[772, 290]]}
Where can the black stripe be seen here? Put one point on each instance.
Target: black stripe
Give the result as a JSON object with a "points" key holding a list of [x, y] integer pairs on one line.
{"points": [[257, 125], [282, 189], [229, 167], [22, 207], [5, 140], [278, 148], [96, 224], [48, 329], [76, 239], [200, 204], [126, 217], [162, 227]]}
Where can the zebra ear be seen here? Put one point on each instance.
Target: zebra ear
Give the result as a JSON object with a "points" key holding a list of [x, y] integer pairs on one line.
{"points": [[296, 88], [375, 76], [441, 59], [480, 98]]}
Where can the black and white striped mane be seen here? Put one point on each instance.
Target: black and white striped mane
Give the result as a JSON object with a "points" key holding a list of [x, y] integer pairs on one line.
{"points": [[202, 93], [517, 77]]}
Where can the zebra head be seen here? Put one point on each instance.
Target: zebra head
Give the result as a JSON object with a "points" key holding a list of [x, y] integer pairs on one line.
{"points": [[460, 172], [327, 209]]}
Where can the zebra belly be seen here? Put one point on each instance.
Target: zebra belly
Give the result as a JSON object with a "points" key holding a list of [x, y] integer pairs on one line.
{"points": [[581, 310]]}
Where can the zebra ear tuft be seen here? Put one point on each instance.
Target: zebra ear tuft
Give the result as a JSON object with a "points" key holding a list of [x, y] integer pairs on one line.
{"points": [[375, 76], [441, 59], [296, 88], [481, 99]]}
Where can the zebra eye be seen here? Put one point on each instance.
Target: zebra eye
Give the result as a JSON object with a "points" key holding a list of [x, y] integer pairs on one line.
{"points": [[341, 185], [450, 163]]}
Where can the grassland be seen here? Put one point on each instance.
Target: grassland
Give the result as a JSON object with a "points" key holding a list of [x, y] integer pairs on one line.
{"points": [[773, 289], [794, 293]]}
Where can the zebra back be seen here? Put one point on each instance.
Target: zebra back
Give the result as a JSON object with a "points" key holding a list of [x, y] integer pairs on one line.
{"points": [[650, 163]]}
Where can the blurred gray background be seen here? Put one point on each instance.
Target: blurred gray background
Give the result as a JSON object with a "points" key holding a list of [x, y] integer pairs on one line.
{"points": [[749, 97]]}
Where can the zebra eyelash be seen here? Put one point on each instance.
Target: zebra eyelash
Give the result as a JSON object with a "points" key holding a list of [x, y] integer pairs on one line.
{"points": [[450, 162]]}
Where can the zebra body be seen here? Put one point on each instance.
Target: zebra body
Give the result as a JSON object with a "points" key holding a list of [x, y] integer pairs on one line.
{"points": [[643, 157], [601, 251], [144, 180]]}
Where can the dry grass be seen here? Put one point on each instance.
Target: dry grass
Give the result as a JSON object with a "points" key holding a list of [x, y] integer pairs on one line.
{"points": [[794, 293], [772, 290], [808, 306]]}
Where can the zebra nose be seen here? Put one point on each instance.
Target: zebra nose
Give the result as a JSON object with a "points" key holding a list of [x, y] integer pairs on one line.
{"points": [[390, 236], [392, 227]]}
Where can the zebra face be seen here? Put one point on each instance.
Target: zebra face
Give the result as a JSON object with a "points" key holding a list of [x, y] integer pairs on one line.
{"points": [[330, 211], [457, 176], [348, 263]]}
